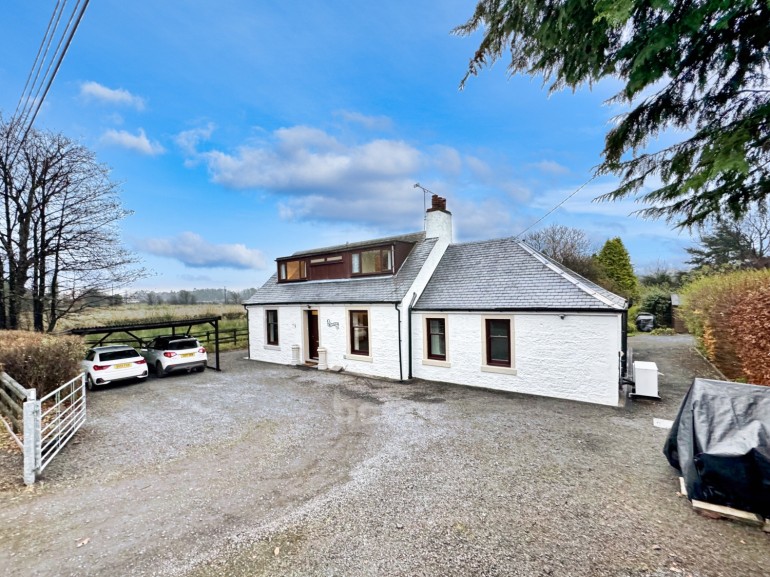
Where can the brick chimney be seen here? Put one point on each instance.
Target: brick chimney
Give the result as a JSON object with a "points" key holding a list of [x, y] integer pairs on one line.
{"points": [[438, 220]]}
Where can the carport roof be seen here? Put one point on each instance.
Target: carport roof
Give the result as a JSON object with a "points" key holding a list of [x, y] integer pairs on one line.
{"points": [[140, 326]]}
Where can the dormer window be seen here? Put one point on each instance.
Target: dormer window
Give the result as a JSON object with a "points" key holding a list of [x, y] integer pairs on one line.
{"points": [[292, 270], [372, 261]]}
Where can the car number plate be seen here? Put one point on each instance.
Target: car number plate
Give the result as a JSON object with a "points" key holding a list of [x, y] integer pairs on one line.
{"points": [[188, 355], [122, 366]]}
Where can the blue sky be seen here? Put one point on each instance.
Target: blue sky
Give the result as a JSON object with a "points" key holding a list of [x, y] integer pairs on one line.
{"points": [[243, 131]]}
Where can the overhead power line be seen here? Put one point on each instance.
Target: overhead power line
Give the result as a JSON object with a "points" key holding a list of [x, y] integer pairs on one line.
{"points": [[38, 85], [542, 218]]}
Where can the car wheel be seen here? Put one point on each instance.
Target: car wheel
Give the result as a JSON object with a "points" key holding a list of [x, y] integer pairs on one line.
{"points": [[90, 385], [200, 369], [159, 370]]}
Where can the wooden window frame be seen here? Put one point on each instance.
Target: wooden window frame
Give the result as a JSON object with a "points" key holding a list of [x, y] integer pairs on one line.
{"points": [[352, 329], [283, 270], [386, 252], [428, 349], [489, 361], [268, 324]]}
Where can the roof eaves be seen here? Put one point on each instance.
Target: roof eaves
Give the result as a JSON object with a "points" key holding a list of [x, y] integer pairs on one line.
{"points": [[410, 237]]}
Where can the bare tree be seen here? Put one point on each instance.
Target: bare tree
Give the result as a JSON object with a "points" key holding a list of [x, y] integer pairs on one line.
{"points": [[568, 246], [59, 236]]}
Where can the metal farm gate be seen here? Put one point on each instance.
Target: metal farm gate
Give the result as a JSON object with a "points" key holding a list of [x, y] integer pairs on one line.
{"points": [[45, 425]]}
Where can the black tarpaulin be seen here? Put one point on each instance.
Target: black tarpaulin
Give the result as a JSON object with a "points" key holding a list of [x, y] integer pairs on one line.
{"points": [[720, 441]]}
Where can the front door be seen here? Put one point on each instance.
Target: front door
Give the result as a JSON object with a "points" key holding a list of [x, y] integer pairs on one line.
{"points": [[312, 334]]}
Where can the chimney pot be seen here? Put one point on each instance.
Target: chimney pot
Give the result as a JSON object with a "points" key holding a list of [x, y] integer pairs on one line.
{"points": [[437, 203]]}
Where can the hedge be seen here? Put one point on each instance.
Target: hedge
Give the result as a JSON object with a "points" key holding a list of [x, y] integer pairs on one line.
{"points": [[729, 314], [40, 361]]}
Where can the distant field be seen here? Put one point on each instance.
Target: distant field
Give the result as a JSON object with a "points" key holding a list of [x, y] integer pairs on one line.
{"points": [[98, 316], [232, 327]]}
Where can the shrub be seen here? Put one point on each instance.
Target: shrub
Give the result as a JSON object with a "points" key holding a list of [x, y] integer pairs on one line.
{"points": [[663, 331], [40, 361], [656, 300], [725, 313]]}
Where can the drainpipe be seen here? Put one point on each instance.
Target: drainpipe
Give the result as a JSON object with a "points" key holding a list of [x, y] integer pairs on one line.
{"points": [[624, 345], [400, 360], [409, 338]]}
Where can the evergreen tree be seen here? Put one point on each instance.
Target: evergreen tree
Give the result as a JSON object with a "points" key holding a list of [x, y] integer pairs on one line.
{"points": [[697, 66], [618, 271]]}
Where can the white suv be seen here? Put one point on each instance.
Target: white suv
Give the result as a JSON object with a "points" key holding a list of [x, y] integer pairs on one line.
{"points": [[108, 364], [171, 353]]}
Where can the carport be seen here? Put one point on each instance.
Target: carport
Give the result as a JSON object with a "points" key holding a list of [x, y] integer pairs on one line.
{"points": [[130, 330]]}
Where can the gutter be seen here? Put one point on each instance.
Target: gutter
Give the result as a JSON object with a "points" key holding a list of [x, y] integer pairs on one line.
{"points": [[522, 310]]}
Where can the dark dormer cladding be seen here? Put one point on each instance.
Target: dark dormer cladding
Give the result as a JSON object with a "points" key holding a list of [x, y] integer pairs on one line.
{"points": [[377, 258]]}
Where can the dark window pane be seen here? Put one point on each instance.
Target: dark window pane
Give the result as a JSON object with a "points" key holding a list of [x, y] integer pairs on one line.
{"points": [[272, 327], [359, 332], [498, 342], [498, 328], [436, 339]]}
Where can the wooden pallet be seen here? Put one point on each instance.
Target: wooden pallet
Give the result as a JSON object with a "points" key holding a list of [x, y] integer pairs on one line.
{"points": [[720, 511]]}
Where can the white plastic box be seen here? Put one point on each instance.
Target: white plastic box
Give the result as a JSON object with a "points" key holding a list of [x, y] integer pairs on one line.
{"points": [[646, 379]]}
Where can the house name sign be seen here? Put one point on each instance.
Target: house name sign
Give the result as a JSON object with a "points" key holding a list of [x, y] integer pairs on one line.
{"points": [[331, 324]]}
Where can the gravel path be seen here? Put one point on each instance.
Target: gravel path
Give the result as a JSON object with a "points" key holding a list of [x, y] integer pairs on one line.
{"points": [[269, 470]]}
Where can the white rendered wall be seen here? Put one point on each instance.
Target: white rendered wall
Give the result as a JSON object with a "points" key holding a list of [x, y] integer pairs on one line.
{"points": [[574, 358], [290, 331], [438, 224], [333, 336]]}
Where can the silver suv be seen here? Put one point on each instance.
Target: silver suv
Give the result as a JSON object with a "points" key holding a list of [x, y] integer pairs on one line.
{"points": [[171, 353]]}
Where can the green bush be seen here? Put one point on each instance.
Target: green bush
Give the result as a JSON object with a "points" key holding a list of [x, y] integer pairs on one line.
{"points": [[656, 300], [40, 361], [663, 331]]}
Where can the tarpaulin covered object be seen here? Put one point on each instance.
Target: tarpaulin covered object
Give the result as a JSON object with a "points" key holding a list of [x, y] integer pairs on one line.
{"points": [[720, 441]]}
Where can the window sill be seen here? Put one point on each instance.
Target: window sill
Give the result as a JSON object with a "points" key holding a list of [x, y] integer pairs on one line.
{"points": [[363, 358], [500, 370], [272, 347], [436, 363]]}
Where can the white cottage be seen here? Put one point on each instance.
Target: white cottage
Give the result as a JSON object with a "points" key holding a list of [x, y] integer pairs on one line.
{"points": [[495, 314]]}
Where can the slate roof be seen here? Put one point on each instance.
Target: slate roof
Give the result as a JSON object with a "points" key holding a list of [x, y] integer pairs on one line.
{"points": [[382, 289], [508, 274]]}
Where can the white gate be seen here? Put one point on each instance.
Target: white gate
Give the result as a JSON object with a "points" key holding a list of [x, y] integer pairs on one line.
{"points": [[57, 423], [47, 424]]}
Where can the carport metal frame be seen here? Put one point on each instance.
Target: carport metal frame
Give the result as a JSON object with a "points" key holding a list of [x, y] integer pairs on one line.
{"points": [[127, 329]]}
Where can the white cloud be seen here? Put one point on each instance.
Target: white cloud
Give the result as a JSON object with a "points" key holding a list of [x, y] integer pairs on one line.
{"points": [[368, 122], [194, 251], [189, 140], [550, 167], [95, 91], [138, 142], [316, 175]]}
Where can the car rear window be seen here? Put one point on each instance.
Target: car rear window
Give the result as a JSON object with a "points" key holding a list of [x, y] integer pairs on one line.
{"points": [[117, 355], [182, 344]]}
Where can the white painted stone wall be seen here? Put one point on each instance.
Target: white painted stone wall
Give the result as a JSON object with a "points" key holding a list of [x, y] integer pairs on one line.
{"points": [[290, 331], [572, 358], [333, 336]]}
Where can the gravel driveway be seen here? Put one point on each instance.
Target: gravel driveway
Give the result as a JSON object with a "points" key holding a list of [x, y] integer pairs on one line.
{"points": [[270, 470]]}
